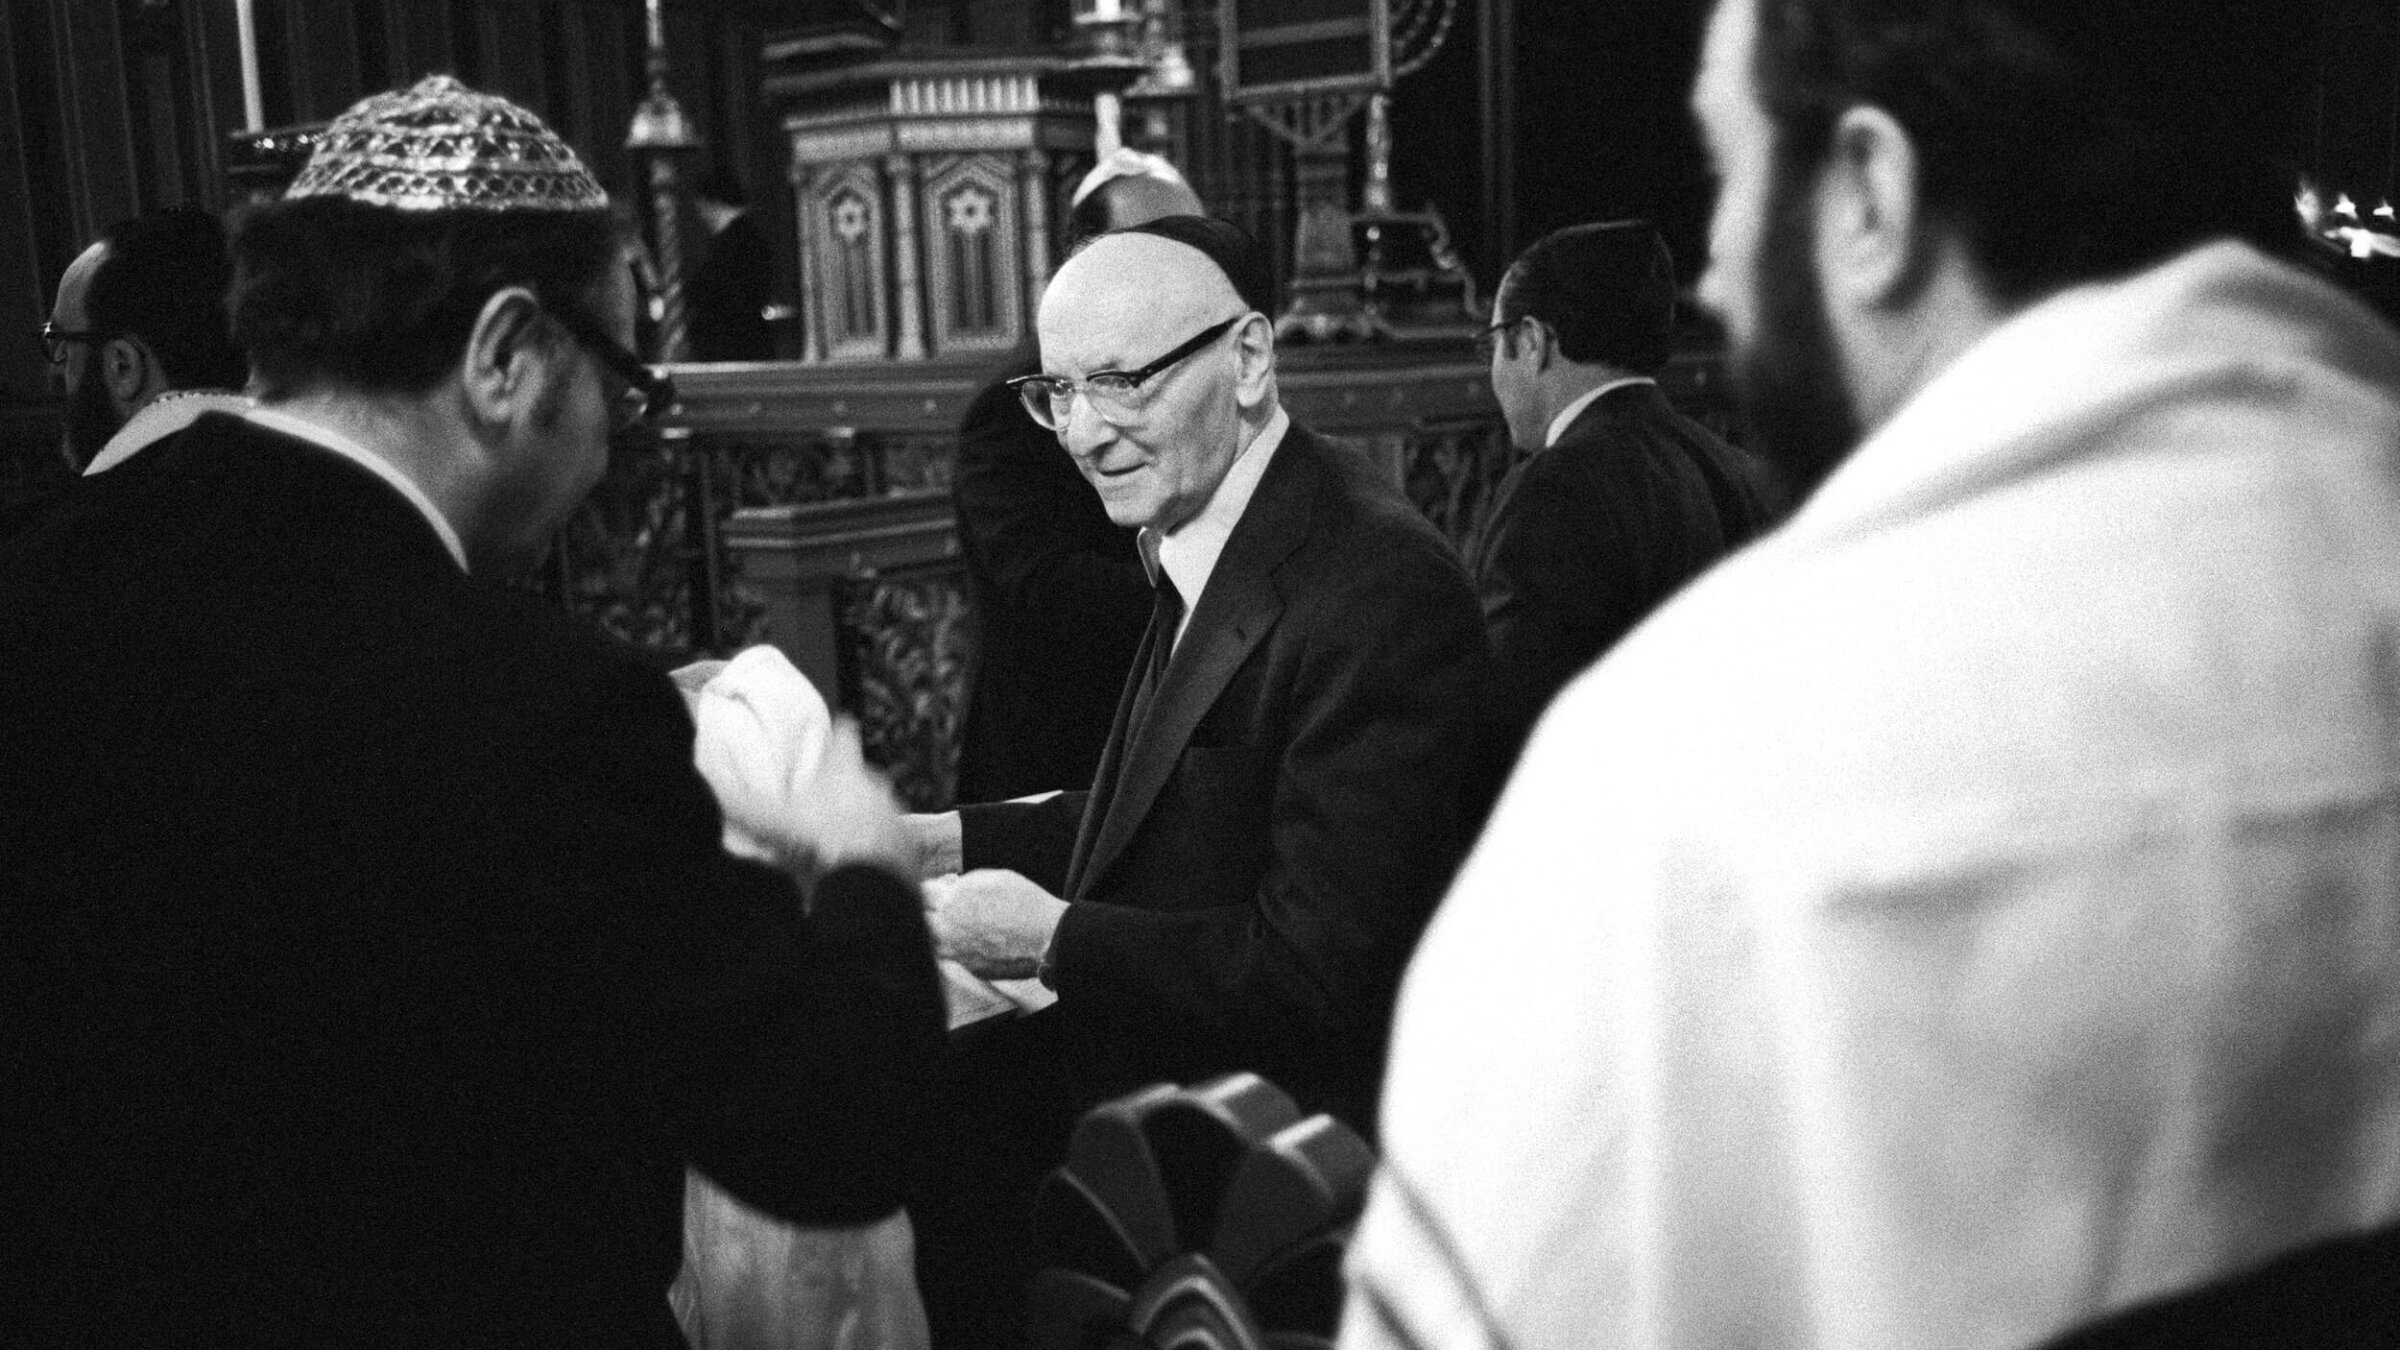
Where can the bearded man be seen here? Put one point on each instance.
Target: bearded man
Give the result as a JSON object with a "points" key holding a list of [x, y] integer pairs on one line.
{"points": [[1971, 913]]}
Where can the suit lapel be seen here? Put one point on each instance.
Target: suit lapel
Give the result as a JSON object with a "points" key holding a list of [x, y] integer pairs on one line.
{"points": [[1236, 610], [1112, 763]]}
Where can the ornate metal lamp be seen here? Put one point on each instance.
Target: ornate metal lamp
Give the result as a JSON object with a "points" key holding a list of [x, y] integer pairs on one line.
{"points": [[1107, 31], [662, 134]]}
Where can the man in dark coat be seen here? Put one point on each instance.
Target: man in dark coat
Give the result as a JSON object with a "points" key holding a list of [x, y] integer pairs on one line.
{"points": [[370, 966], [1621, 500], [1277, 805], [1060, 596], [727, 292], [137, 345]]}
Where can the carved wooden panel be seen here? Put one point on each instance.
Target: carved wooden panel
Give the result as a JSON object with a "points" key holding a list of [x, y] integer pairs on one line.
{"points": [[972, 224], [907, 645], [847, 239]]}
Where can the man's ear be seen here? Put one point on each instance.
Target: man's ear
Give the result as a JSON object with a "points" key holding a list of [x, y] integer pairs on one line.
{"points": [[1254, 356], [128, 371], [1874, 238], [1542, 341], [507, 358]]}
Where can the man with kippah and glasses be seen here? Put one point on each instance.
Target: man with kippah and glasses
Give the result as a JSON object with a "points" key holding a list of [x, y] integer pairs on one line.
{"points": [[1279, 799], [373, 967], [1060, 596]]}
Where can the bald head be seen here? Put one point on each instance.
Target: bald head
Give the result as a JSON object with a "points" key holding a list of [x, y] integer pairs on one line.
{"points": [[1137, 281], [69, 313]]}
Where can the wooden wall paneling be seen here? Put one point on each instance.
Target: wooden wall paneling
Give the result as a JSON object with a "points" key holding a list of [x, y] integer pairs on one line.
{"points": [[30, 171], [512, 53], [371, 31], [608, 34], [328, 46], [104, 167], [1496, 112], [566, 73], [424, 39], [272, 21], [466, 54], [213, 57]]}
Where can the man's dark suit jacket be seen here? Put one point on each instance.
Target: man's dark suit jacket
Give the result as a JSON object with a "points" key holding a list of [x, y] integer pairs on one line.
{"points": [[1589, 536], [1253, 864], [369, 964], [728, 295], [1060, 601]]}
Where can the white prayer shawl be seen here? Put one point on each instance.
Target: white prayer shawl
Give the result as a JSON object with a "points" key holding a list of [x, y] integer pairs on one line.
{"points": [[160, 418], [1972, 909]]}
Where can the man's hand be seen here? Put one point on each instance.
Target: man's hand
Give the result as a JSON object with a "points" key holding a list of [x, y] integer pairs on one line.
{"points": [[937, 843], [844, 811], [992, 921]]}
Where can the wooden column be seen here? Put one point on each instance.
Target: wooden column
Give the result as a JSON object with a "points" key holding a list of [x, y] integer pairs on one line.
{"points": [[1496, 57], [812, 343], [1033, 197], [900, 173]]}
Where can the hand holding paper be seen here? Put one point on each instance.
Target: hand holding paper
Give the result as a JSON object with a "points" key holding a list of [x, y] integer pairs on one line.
{"points": [[994, 922]]}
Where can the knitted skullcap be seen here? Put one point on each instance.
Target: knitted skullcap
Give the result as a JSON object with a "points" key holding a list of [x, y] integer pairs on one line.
{"points": [[440, 146]]}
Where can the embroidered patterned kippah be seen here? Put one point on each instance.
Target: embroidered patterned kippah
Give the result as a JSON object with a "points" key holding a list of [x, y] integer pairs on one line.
{"points": [[440, 146]]}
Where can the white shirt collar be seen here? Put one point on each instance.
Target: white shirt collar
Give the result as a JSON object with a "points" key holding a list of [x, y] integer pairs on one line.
{"points": [[1567, 415], [318, 433], [1189, 552], [160, 418]]}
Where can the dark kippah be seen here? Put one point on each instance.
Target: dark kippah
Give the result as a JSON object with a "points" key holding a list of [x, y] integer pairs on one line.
{"points": [[1227, 245]]}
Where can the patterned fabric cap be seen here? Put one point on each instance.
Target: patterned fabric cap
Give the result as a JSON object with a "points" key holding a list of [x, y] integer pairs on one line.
{"points": [[440, 146]]}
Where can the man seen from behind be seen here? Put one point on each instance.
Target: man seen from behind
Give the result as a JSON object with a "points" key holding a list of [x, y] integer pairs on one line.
{"points": [[1970, 912]]}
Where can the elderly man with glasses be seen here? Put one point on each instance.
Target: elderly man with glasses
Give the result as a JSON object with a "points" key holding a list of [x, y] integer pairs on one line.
{"points": [[374, 968], [1278, 803]]}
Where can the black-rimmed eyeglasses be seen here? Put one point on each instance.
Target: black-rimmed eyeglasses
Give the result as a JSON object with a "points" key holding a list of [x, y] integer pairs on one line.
{"points": [[647, 393], [1113, 394], [1488, 341], [56, 340]]}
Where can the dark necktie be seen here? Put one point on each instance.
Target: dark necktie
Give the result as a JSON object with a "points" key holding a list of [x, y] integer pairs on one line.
{"points": [[1165, 616]]}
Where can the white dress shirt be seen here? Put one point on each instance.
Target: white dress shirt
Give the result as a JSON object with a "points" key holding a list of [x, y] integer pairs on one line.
{"points": [[1567, 415], [1189, 552]]}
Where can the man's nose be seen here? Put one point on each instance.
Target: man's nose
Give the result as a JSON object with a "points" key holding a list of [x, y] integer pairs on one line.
{"points": [[1085, 433]]}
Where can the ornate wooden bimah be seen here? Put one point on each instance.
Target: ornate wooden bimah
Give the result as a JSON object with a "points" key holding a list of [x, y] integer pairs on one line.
{"points": [[925, 190]]}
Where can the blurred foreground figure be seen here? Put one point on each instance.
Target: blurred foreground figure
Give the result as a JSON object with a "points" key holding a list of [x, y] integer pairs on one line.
{"points": [[372, 967], [1975, 908]]}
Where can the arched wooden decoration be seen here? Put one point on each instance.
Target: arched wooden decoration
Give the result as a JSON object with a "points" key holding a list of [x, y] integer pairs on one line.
{"points": [[1209, 1218], [973, 271]]}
